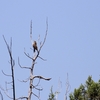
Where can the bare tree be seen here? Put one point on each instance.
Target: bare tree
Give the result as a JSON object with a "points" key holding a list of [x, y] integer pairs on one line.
{"points": [[68, 87], [58, 89], [12, 64], [36, 54]]}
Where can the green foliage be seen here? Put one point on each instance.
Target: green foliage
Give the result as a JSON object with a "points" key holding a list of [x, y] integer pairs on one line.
{"points": [[89, 91], [51, 95]]}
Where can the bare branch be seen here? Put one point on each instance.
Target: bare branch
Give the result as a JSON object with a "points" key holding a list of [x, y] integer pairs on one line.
{"points": [[8, 82], [36, 84], [24, 80], [6, 93], [38, 89], [9, 89], [10, 52], [45, 35], [6, 74], [42, 58], [41, 44], [31, 32], [11, 45], [21, 66], [12, 63], [40, 77], [7, 45], [22, 98], [38, 38], [35, 95], [28, 55]]}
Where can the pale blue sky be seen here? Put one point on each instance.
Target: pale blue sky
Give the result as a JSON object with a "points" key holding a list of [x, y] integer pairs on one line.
{"points": [[72, 45]]}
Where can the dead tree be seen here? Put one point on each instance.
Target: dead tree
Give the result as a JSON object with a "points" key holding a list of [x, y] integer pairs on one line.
{"points": [[36, 54], [12, 64], [68, 87], [58, 90]]}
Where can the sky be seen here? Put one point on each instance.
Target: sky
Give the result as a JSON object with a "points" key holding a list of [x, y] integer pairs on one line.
{"points": [[72, 45]]}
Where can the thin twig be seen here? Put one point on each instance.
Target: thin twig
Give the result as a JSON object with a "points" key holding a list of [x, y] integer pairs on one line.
{"points": [[22, 98], [28, 55], [38, 38], [31, 32], [38, 89], [6, 92], [24, 80], [6, 74], [21, 66], [8, 82], [45, 35], [35, 95], [42, 58]]}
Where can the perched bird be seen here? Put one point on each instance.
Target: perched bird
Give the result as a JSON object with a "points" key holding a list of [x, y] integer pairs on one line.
{"points": [[35, 46]]}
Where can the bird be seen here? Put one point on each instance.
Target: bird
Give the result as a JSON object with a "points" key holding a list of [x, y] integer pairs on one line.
{"points": [[35, 46]]}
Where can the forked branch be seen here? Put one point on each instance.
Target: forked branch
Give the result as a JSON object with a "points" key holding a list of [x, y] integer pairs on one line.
{"points": [[40, 77], [21, 66], [41, 44], [36, 51], [12, 63]]}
